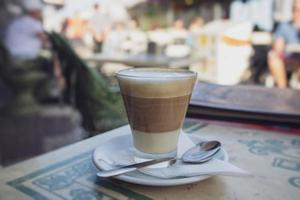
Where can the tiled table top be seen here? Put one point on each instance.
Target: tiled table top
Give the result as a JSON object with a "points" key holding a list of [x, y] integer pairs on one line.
{"points": [[68, 173]]}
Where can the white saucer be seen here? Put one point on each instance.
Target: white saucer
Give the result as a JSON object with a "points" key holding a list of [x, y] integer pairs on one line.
{"points": [[119, 143]]}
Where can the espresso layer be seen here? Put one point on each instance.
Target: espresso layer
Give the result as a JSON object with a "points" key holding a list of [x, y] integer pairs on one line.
{"points": [[156, 115]]}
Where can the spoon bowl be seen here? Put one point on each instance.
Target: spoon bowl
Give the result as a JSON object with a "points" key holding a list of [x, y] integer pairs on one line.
{"points": [[201, 152]]}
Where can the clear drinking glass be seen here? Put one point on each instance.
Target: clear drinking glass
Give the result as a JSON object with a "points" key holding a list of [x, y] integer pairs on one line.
{"points": [[156, 101]]}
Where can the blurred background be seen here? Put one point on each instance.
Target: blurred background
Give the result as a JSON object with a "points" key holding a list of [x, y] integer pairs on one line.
{"points": [[58, 58]]}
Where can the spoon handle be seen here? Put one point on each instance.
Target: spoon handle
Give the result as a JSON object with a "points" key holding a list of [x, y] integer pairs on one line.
{"points": [[133, 167]]}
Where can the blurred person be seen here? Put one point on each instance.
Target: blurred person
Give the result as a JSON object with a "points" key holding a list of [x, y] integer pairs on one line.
{"points": [[158, 39], [136, 40], [98, 26], [155, 26], [251, 10], [194, 29], [115, 44], [178, 47], [133, 25], [287, 34], [64, 27], [178, 32], [25, 36], [115, 38], [282, 10], [75, 28], [179, 26], [26, 40], [196, 25]]}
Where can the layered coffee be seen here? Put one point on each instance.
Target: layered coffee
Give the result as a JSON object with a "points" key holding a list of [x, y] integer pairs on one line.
{"points": [[156, 101]]}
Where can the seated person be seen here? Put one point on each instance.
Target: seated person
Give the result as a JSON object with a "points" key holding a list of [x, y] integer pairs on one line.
{"points": [[25, 36], [287, 34], [25, 39]]}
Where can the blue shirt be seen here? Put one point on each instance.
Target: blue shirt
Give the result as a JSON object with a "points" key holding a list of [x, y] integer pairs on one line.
{"points": [[288, 32]]}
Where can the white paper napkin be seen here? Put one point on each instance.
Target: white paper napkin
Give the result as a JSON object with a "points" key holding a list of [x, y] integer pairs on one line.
{"points": [[213, 167], [180, 169]]}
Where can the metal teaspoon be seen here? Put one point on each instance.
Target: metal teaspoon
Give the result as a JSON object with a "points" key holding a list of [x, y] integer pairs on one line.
{"points": [[200, 153]]}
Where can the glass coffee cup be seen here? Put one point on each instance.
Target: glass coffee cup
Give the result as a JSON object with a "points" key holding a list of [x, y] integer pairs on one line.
{"points": [[156, 101]]}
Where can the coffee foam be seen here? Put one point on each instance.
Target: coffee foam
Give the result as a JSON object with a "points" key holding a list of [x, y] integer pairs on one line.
{"points": [[156, 83], [156, 73]]}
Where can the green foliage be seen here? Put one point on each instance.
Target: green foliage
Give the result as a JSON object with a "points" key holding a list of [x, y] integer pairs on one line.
{"points": [[88, 91], [4, 61]]}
